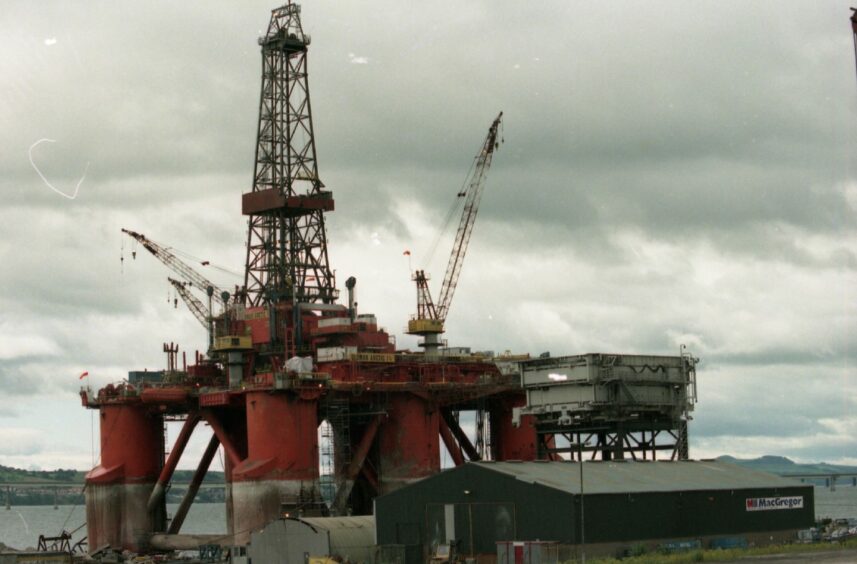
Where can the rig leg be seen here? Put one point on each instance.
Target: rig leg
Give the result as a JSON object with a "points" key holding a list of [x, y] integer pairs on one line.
{"points": [[166, 475], [460, 435], [344, 488], [451, 445], [193, 488], [408, 443], [117, 490]]}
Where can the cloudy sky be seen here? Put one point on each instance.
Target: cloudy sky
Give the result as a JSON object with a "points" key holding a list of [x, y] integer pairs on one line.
{"points": [[671, 174]]}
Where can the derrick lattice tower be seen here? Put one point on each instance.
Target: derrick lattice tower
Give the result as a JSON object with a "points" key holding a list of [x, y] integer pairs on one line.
{"points": [[286, 244]]}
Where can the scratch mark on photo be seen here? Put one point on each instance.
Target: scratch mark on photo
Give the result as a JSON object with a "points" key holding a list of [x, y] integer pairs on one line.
{"points": [[45, 180]]}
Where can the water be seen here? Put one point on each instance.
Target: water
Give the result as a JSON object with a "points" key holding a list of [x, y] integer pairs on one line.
{"points": [[21, 526]]}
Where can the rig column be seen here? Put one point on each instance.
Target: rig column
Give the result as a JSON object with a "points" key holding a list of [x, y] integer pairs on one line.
{"points": [[280, 473], [408, 442], [117, 490], [510, 442]]}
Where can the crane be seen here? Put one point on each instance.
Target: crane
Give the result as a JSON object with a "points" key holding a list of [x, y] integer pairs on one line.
{"points": [[194, 305], [430, 317], [192, 277]]}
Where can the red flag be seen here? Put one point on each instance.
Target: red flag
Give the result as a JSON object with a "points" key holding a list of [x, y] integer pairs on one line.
{"points": [[82, 376], [407, 253]]}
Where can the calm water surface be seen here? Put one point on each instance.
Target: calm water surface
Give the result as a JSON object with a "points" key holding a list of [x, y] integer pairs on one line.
{"points": [[21, 526]]}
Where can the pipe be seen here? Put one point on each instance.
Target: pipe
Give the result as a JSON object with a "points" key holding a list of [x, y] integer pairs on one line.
{"points": [[357, 461], [307, 306], [352, 305], [451, 445], [172, 461], [460, 435], [193, 488], [161, 541], [221, 435]]}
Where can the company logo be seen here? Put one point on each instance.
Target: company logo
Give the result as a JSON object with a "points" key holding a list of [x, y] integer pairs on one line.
{"points": [[771, 503]]}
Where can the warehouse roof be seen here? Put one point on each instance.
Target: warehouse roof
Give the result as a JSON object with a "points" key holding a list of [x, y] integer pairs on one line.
{"points": [[349, 535], [639, 477]]}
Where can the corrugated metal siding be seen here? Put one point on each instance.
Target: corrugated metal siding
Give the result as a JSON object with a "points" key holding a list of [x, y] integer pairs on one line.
{"points": [[639, 477], [498, 506], [681, 514], [623, 502], [350, 537], [286, 540]]}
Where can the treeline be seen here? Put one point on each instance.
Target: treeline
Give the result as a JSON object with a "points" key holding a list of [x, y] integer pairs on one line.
{"points": [[19, 475], [47, 496], [9, 474], [43, 493]]}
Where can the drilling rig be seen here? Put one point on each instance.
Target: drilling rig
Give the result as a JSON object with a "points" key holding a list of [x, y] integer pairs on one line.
{"points": [[285, 359], [430, 318]]}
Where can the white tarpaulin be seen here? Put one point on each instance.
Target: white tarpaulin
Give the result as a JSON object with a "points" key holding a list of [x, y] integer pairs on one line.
{"points": [[299, 364]]}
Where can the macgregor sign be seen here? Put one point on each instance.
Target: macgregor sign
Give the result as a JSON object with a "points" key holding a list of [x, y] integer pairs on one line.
{"points": [[771, 503]]}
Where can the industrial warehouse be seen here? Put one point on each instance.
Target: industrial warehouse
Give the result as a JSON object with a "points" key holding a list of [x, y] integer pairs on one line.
{"points": [[605, 507], [333, 436]]}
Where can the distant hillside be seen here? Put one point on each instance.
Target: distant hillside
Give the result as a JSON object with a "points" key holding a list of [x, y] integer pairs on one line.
{"points": [[65, 487], [782, 465], [17, 475], [48, 477]]}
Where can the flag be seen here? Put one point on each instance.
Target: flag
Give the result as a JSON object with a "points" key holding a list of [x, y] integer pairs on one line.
{"points": [[407, 253], [82, 376]]}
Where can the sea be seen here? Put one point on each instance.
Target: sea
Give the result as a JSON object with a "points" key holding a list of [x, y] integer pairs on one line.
{"points": [[20, 526]]}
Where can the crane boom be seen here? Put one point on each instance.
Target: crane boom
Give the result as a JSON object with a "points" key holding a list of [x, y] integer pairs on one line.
{"points": [[175, 264], [430, 318], [474, 189], [194, 305]]}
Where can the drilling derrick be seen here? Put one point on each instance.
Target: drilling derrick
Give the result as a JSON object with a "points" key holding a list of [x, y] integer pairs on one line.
{"points": [[286, 274], [286, 244]]}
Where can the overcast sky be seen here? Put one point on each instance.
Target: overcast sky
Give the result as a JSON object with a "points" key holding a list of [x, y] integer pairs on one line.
{"points": [[672, 173]]}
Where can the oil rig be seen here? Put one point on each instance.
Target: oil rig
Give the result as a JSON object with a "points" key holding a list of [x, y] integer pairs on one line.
{"points": [[287, 359]]}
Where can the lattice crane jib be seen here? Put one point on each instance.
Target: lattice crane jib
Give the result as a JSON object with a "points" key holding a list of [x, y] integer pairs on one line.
{"points": [[286, 245], [196, 307], [430, 318], [468, 218], [190, 276], [425, 305]]}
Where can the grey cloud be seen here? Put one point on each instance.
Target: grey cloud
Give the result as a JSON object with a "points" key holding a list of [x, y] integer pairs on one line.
{"points": [[721, 147], [774, 356], [693, 129], [17, 380]]}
